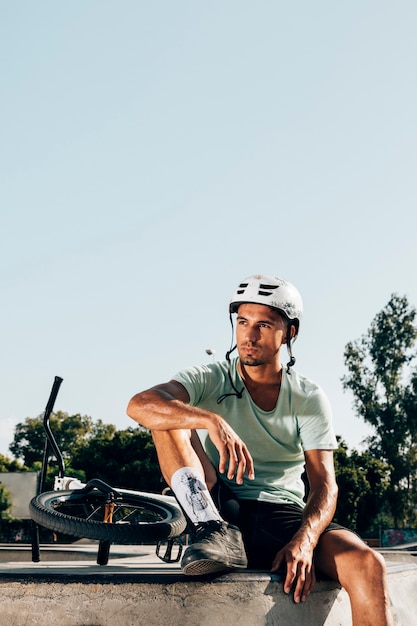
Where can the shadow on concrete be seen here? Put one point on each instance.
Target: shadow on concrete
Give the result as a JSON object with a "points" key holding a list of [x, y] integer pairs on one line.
{"points": [[326, 602]]}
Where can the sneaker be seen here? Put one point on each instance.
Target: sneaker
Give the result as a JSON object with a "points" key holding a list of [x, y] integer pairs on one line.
{"points": [[216, 546]]}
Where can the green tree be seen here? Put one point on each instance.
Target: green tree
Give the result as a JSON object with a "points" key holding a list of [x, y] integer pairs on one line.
{"points": [[70, 431], [363, 482], [379, 364], [123, 458], [9, 465], [373, 511], [5, 503], [127, 459], [352, 485]]}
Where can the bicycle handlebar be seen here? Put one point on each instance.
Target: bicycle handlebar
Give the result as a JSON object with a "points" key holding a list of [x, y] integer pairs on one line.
{"points": [[53, 395], [50, 439]]}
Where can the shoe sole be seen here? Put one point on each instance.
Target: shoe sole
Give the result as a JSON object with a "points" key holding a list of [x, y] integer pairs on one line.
{"points": [[201, 567]]}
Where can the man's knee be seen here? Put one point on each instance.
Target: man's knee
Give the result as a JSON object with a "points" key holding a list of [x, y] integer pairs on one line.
{"points": [[344, 556], [372, 563], [361, 566]]}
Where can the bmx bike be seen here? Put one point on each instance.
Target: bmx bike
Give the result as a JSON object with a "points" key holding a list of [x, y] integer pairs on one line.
{"points": [[100, 512]]}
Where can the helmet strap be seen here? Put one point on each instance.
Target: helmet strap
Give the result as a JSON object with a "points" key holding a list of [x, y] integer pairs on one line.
{"points": [[289, 341], [235, 392]]}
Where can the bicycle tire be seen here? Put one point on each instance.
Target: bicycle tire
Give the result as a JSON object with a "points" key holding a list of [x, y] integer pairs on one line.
{"points": [[151, 518]]}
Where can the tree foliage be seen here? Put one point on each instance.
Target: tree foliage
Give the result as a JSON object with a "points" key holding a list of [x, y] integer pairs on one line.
{"points": [[91, 449], [383, 380], [9, 465], [127, 459], [5, 502], [363, 481], [70, 431]]}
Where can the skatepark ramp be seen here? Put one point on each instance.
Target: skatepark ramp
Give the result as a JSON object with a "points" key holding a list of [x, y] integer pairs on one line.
{"points": [[135, 589]]}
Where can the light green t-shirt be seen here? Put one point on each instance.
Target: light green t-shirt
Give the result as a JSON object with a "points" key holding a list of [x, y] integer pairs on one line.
{"points": [[276, 439]]}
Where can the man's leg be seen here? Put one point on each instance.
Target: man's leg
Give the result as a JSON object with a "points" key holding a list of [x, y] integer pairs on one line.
{"points": [[185, 467], [361, 571], [216, 545], [182, 448]]}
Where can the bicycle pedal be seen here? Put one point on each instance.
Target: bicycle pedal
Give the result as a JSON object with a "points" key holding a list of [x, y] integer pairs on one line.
{"points": [[172, 545]]}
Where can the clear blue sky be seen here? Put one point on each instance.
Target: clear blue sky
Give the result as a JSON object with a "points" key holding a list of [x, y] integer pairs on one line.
{"points": [[153, 154]]}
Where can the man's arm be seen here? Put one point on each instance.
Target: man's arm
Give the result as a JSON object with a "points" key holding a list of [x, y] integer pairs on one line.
{"points": [[317, 514], [166, 407]]}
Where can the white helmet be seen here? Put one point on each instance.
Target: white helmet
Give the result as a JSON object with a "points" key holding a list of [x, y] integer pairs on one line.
{"points": [[272, 291], [276, 293]]}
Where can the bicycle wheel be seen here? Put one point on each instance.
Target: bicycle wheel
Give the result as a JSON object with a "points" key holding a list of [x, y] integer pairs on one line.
{"points": [[134, 517]]}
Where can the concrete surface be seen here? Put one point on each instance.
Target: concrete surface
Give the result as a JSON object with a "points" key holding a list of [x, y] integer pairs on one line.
{"points": [[68, 589]]}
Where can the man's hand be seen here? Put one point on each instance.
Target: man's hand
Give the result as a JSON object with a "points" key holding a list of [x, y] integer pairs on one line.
{"points": [[232, 450], [166, 407], [298, 558]]}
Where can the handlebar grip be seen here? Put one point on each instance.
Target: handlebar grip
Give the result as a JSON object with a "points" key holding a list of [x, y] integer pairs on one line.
{"points": [[52, 397]]}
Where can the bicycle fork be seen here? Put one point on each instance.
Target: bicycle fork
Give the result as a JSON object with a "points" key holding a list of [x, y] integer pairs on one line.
{"points": [[104, 545]]}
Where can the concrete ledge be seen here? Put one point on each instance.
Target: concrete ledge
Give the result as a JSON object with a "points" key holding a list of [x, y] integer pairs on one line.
{"points": [[136, 590], [15, 553]]}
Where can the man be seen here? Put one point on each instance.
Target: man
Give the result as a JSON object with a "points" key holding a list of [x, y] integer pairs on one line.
{"points": [[242, 488]]}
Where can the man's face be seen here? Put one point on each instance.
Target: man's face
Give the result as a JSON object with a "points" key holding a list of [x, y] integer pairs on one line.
{"points": [[260, 332]]}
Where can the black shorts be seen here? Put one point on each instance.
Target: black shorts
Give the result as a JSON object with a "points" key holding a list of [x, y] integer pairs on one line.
{"points": [[266, 527]]}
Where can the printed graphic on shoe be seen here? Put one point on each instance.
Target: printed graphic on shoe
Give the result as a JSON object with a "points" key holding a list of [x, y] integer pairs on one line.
{"points": [[216, 547]]}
